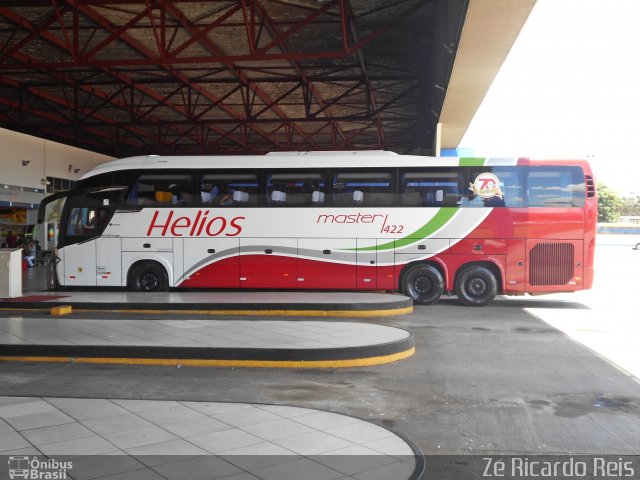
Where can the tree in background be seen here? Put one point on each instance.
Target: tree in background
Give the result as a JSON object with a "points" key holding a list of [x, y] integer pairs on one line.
{"points": [[609, 204], [630, 206]]}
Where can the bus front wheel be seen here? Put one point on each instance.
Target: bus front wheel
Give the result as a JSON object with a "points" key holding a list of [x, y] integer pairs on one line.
{"points": [[476, 286], [423, 283], [149, 277]]}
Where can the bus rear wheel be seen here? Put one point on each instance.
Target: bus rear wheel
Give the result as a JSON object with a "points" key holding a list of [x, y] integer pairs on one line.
{"points": [[423, 283], [476, 286], [149, 277]]}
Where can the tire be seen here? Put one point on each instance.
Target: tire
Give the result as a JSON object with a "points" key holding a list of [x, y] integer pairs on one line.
{"points": [[476, 286], [423, 283], [149, 277]]}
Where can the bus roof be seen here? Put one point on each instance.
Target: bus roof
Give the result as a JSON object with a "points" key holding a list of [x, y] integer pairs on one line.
{"points": [[303, 160]]}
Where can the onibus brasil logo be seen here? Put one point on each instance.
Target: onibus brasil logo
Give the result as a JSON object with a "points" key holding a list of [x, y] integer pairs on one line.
{"points": [[36, 469]]}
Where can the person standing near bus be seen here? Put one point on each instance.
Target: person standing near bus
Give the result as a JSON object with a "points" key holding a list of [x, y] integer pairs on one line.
{"points": [[30, 253]]}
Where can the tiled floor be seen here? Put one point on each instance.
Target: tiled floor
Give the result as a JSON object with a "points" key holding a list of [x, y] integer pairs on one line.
{"points": [[196, 333], [167, 439]]}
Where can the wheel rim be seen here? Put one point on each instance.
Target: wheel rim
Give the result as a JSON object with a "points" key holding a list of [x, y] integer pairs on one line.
{"points": [[149, 281], [476, 287], [423, 285]]}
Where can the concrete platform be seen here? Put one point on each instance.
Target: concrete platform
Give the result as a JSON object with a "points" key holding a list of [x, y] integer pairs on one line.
{"points": [[32, 327], [202, 342], [335, 304], [180, 439]]}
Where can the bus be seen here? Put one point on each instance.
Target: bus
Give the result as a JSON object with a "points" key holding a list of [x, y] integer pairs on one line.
{"points": [[363, 220]]}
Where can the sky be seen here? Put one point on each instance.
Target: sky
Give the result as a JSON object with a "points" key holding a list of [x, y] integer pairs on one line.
{"points": [[569, 88]]}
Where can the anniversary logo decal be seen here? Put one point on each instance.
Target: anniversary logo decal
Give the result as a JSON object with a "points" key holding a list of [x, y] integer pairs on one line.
{"points": [[486, 185]]}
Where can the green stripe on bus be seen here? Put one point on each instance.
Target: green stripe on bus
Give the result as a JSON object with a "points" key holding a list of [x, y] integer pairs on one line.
{"points": [[472, 162], [438, 221]]}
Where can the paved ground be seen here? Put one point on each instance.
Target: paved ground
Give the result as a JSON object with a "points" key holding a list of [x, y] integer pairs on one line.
{"points": [[476, 374], [609, 324], [489, 380]]}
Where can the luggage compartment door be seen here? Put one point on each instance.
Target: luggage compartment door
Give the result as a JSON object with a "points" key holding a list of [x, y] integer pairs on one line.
{"points": [[211, 263], [268, 262], [327, 263]]}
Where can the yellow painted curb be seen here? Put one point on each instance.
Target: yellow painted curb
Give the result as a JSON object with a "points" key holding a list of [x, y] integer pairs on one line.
{"points": [[265, 313], [189, 362], [61, 310]]}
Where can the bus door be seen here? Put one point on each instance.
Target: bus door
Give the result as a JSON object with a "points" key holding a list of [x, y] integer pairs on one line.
{"points": [[211, 262], [268, 262], [327, 263], [554, 265], [84, 217], [82, 225]]}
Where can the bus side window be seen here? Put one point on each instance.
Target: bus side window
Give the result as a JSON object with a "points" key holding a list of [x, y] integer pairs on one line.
{"points": [[74, 224], [555, 187], [431, 187], [228, 188], [410, 198], [86, 222], [164, 189], [358, 188], [295, 188]]}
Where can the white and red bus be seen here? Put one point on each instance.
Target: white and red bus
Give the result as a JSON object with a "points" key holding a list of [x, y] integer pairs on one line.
{"points": [[472, 227]]}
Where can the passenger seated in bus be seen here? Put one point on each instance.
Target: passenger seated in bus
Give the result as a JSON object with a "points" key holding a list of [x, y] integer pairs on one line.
{"points": [[209, 196], [227, 199]]}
